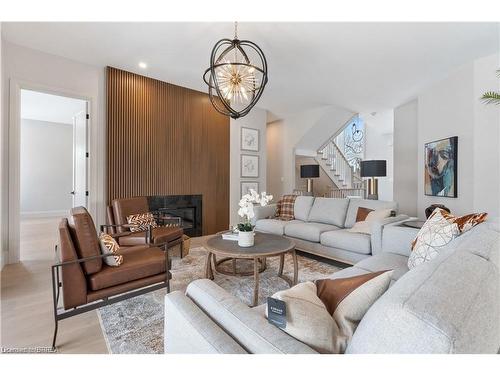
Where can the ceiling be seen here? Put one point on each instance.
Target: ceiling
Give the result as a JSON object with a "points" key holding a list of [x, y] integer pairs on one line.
{"points": [[363, 67], [47, 107]]}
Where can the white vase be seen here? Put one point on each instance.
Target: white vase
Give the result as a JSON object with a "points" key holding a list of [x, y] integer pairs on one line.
{"points": [[245, 239]]}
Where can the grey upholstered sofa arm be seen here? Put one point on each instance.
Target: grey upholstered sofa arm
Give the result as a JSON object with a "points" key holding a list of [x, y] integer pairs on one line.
{"points": [[188, 330], [377, 229], [264, 212], [397, 239], [245, 325]]}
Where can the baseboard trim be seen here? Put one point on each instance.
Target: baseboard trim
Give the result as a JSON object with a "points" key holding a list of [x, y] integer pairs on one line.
{"points": [[39, 214]]}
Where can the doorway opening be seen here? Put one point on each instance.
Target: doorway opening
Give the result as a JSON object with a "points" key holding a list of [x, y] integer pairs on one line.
{"points": [[53, 167]]}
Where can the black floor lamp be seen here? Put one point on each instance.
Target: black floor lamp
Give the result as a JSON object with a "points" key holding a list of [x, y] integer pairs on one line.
{"points": [[372, 169]]}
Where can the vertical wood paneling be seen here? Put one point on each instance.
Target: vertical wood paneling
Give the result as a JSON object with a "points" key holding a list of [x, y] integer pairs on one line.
{"points": [[166, 140]]}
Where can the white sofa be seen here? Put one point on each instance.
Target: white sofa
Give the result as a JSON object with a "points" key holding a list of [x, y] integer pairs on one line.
{"points": [[321, 227], [448, 305]]}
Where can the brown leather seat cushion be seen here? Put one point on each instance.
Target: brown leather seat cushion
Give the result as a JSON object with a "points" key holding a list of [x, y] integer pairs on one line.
{"points": [[160, 235], [137, 264]]}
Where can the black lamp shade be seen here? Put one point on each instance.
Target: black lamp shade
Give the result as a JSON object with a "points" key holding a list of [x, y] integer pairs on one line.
{"points": [[309, 171], [373, 168]]}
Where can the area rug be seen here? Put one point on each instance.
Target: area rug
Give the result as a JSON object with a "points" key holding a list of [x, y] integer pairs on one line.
{"points": [[136, 325]]}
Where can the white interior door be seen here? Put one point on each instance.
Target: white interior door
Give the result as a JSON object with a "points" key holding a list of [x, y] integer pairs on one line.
{"points": [[80, 159]]}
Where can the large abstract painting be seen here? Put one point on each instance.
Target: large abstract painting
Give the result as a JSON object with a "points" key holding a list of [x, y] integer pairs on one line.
{"points": [[441, 167]]}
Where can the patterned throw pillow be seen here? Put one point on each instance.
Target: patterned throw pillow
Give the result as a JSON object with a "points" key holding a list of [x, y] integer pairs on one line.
{"points": [[365, 226], [325, 314], [437, 232], [348, 300], [141, 222], [362, 213], [285, 208], [110, 246]]}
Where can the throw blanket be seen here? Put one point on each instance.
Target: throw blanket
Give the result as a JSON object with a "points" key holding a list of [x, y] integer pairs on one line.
{"points": [[285, 208]]}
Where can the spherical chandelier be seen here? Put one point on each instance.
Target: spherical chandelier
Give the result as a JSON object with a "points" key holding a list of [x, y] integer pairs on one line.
{"points": [[237, 75]]}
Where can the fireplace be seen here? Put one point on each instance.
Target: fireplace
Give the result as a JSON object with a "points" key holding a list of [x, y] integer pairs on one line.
{"points": [[187, 207]]}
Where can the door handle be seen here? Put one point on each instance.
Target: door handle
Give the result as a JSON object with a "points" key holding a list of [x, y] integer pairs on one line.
{"points": [[73, 192]]}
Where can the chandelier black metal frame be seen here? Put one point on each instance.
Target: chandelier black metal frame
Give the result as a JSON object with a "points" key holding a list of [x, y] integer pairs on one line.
{"points": [[231, 79]]}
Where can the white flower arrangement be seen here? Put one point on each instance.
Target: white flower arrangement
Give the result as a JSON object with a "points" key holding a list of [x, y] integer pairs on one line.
{"points": [[246, 211]]}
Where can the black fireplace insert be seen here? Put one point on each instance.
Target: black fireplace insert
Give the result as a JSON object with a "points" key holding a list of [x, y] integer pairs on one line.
{"points": [[187, 207]]}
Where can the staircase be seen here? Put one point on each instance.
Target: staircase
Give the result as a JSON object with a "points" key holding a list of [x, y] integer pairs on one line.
{"points": [[344, 175]]}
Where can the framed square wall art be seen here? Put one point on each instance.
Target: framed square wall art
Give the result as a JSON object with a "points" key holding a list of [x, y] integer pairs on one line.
{"points": [[249, 139], [249, 166], [441, 168], [247, 185]]}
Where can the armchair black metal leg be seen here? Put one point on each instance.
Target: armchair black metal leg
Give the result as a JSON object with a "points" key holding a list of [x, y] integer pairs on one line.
{"points": [[55, 298], [55, 334], [182, 248]]}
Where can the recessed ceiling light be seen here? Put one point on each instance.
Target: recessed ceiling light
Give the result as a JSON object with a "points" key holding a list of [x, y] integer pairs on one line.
{"points": [[143, 65]]}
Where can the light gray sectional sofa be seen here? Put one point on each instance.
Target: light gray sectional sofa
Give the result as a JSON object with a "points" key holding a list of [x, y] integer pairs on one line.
{"points": [[321, 227], [448, 305]]}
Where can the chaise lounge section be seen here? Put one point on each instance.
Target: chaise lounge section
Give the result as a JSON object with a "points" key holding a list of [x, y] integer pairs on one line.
{"points": [[447, 305]]}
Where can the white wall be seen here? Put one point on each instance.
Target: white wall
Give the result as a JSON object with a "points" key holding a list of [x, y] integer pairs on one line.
{"points": [[305, 130], [405, 180], [379, 129], [256, 119], [446, 110], [3, 228], [452, 107], [486, 138], [46, 167], [66, 77]]}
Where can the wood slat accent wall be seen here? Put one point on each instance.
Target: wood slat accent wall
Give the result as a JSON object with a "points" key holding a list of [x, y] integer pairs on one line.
{"points": [[166, 140]]}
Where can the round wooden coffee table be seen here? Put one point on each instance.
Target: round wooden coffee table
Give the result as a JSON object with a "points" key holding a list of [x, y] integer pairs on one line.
{"points": [[266, 245]]}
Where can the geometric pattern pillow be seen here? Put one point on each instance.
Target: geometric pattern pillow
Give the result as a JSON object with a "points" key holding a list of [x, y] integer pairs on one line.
{"points": [[141, 222], [437, 232], [110, 246], [348, 300], [307, 319], [285, 208], [362, 213]]}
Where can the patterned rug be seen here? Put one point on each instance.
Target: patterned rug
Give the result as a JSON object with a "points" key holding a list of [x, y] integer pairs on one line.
{"points": [[136, 325]]}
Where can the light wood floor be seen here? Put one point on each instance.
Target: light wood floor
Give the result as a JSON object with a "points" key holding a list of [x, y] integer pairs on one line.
{"points": [[26, 298]]}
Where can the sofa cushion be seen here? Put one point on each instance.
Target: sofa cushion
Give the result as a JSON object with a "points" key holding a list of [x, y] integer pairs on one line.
{"points": [[329, 211], [302, 207], [273, 226], [355, 203], [308, 231], [346, 240], [136, 265], [385, 261]]}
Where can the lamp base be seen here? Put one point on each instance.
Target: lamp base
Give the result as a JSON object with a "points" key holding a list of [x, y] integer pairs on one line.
{"points": [[310, 185], [372, 189]]}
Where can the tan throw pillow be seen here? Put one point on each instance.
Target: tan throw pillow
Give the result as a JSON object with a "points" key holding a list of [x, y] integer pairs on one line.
{"points": [[374, 215], [110, 246], [308, 319], [348, 300], [362, 213], [437, 232], [141, 222]]}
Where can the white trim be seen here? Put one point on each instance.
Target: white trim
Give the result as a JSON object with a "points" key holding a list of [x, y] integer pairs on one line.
{"points": [[13, 214], [40, 214]]}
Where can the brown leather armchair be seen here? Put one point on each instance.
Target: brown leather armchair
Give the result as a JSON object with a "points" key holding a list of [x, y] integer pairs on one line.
{"points": [[121, 208], [85, 280]]}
